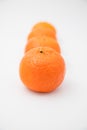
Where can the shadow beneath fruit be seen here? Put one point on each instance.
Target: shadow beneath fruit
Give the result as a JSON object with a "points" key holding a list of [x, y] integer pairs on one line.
{"points": [[66, 88]]}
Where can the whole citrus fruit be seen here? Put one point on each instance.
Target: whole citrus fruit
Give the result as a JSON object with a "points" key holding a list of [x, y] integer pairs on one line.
{"points": [[44, 25], [42, 32], [42, 69], [42, 41]]}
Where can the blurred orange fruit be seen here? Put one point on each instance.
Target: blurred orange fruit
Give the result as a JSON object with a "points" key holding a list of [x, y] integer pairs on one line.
{"points": [[42, 41], [41, 32], [44, 25]]}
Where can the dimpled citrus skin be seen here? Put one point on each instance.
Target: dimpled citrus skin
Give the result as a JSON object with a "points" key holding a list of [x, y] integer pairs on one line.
{"points": [[42, 69], [42, 41], [44, 25], [41, 32]]}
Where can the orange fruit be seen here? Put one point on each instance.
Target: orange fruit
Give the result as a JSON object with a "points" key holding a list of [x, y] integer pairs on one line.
{"points": [[42, 69], [42, 41], [44, 25], [42, 32]]}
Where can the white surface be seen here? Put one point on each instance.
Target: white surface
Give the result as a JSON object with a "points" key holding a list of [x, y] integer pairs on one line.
{"points": [[64, 108]]}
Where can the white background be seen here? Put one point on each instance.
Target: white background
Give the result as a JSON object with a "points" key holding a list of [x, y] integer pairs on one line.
{"points": [[21, 109]]}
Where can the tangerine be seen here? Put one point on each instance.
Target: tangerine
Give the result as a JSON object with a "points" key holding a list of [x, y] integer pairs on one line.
{"points": [[44, 25], [43, 42], [42, 69], [41, 32]]}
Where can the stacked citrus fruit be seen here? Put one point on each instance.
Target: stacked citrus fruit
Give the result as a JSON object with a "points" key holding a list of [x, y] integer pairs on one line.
{"points": [[42, 69]]}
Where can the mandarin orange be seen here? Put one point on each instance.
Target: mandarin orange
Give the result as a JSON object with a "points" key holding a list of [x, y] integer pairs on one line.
{"points": [[41, 32], [42, 41], [44, 25], [42, 69]]}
